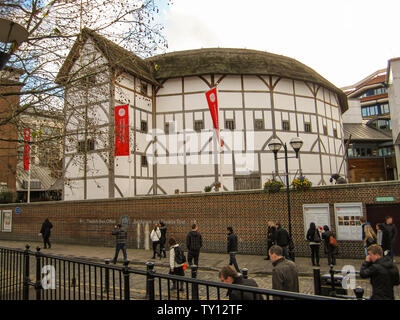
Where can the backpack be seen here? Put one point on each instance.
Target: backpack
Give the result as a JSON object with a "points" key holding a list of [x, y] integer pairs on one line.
{"points": [[316, 236], [332, 241], [179, 255]]}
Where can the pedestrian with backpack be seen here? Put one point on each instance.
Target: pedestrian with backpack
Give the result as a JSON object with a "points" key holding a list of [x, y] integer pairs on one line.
{"points": [[176, 261], [314, 237], [330, 245], [194, 242]]}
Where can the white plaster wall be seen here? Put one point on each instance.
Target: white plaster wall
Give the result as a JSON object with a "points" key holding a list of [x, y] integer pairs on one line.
{"points": [[230, 100], [171, 86], [254, 83], [284, 85], [282, 101], [169, 103], [230, 83], [305, 104], [74, 190], [257, 100], [195, 84]]}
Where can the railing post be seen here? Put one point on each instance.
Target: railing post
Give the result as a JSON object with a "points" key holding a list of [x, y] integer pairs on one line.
{"points": [[317, 281], [107, 276], [245, 273], [126, 280], [359, 292], [25, 289], [38, 284], [150, 281], [195, 286], [332, 272]]}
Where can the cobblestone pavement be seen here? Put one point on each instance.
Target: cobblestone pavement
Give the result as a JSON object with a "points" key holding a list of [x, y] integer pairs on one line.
{"points": [[210, 264]]}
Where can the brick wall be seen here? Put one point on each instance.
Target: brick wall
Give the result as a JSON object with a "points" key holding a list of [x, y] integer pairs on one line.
{"points": [[90, 222]]}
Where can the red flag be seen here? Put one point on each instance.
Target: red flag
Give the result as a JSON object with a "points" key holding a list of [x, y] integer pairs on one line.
{"points": [[212, 100], [27, 137], [121, 131]]}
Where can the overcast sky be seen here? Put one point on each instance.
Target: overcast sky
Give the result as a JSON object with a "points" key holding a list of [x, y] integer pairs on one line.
{"points": [[343, 40]]}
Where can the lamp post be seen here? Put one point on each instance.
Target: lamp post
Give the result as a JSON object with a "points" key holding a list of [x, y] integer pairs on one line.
{"points": [[275, 145], [12, 35]]}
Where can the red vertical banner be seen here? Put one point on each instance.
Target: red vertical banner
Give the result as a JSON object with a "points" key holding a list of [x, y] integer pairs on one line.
{"points": [[27, 151], [212, 101], [121, 115]]}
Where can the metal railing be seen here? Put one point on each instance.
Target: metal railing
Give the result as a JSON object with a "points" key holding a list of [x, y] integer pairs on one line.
{"points": [[62, 278]]}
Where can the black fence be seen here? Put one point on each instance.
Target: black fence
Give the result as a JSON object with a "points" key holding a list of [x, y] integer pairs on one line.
{"points": [[27, 275]]}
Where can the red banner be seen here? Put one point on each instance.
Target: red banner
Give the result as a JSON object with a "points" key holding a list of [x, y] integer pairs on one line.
{"points": [[121, 131], [27, 151], [212, 100]]}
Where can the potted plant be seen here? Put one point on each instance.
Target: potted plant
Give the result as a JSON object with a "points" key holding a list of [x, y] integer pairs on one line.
{"points": [[301, 183], [207, 188], [273, 185]]}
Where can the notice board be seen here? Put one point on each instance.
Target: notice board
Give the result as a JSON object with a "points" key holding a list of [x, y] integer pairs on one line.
{"points": [[317, 213], [348, 224]]}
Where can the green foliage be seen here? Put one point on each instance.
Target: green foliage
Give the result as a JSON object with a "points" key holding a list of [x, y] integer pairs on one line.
{"points": [[272, 185]]}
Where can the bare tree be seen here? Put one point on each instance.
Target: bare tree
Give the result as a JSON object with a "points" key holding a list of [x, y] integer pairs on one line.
{"points": [[54, 26]]}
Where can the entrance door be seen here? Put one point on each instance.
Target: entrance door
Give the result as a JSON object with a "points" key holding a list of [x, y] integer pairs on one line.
{"points": [[376, 213]]}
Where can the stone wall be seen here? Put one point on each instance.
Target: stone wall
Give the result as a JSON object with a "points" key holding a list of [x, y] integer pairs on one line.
{"points": [[90, 222]]}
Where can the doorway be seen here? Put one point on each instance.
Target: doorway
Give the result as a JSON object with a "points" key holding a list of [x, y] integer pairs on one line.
{"points": [[376, 213]]}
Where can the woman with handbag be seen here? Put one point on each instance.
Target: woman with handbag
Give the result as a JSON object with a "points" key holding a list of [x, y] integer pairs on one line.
{"points": [[330, 245], [314, 237]]}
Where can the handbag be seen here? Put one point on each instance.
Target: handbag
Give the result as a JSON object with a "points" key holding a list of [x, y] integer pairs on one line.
{"points": [[332, 241], [370, 241]]}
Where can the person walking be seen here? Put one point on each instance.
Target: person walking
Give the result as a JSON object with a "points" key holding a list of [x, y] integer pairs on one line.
{"points": [[369, 237], [284, 273], [282, 239], [121, 238], [270, 237], [194, 242], [155, 236], [382, 272], [391, 235], [176, 261], [232, 248], [314, 237], [329, 248], [163, 239], [45, 231], [230, 276]]}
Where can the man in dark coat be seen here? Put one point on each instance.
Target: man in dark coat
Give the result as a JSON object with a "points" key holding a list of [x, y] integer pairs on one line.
{"points": [[163, 239], [282, 239], [121, 238], [230, 276], [270, 237], [389, 235], [46, 232], [194, 242], [382, 272], [284, 274], [232, 248]]}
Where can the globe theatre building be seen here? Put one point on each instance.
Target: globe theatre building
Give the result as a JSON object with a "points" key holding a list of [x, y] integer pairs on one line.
{"points": [[173, 148]]}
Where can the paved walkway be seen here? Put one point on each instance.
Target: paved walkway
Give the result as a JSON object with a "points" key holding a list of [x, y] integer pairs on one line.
{"points": [[208, 261]]}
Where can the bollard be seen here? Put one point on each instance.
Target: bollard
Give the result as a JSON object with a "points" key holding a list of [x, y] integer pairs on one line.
{"points": [[332, 272], [107, 276], [359, 292], [125, 272], [245, 273], [150, 281], [38, 284], [25, 286], [195, 286], [317, 281]]}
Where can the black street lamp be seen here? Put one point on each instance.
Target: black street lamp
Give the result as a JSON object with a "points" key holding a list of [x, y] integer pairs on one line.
{"points": [[11, 35], [275, 145]]}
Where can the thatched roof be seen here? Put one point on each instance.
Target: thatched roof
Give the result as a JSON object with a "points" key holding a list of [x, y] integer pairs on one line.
{"points": [[115, 54], [202, 62], [237, 61]]}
